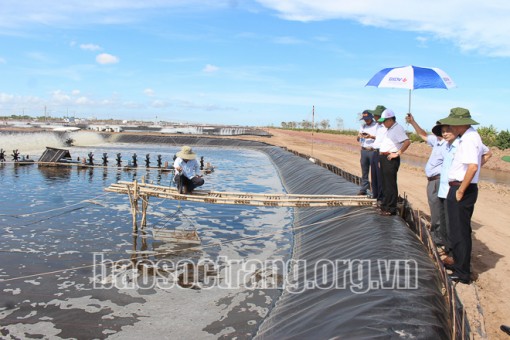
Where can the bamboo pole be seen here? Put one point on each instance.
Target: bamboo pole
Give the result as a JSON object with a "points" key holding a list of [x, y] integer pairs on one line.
{"points": [[202, 192], [131, 203], [454, 314], [257, 202], [247, 195], [419, 225], [133, 200], [145, 205]]}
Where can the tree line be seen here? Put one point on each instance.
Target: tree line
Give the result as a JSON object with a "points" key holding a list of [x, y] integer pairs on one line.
{"points": [[490, 135], [307, 125]]}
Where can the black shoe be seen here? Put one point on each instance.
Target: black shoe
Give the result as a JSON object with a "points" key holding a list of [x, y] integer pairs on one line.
{"points": [[448, 262], [505, 329], [448, 266], [456, 278], [362, 193]]}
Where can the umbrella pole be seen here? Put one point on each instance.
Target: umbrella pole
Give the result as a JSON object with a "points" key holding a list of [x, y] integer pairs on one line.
{"points": [[409, 101]]}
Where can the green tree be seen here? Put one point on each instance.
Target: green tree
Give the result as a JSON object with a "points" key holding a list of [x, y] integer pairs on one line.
{"points": [[503, 140], [488, 135], [305, 124], [324, 124]]}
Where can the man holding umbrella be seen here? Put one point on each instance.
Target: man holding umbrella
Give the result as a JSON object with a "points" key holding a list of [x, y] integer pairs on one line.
{"points": [[433, 172], [394, 143]]}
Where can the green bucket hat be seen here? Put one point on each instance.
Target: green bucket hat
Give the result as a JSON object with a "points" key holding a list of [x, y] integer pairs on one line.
{"points": [[458, 116], [378, 110]]}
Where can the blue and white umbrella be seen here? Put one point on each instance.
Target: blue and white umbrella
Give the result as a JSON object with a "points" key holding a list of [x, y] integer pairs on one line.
{"points": [[412, 78]]}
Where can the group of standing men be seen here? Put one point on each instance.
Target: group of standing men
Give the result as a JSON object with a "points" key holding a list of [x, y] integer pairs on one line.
{"points": [[452, 172]]}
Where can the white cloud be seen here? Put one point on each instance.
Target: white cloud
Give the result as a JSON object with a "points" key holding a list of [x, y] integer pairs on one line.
{"points": [[5, 97], [60, 96], [470, 24], [105, 58], [288, 41], [90, 47], [17, 14], [210, 68], [83, 101], [422, 41], [149, 92], [159, 104], [39, 57]]}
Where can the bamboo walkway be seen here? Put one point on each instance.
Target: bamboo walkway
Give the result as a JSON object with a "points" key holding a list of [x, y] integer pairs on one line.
{"points": [[141, 190]]}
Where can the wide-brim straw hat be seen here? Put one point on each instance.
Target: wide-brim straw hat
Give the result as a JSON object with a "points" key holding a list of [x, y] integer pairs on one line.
{"points": [[458, 116], [186, 153]]}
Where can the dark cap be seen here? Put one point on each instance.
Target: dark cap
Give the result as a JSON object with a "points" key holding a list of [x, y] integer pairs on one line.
{"points": [[437, 129], [366, 115]]}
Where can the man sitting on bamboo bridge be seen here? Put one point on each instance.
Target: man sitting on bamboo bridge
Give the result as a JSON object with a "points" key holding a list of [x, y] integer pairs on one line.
{"points": [[187, 176]]}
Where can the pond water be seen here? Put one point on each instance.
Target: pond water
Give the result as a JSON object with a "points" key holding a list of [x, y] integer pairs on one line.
{"points": [[58, 222]]}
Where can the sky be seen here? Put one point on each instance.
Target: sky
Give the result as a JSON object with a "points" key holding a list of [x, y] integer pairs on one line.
{"points": [[251, 62]]}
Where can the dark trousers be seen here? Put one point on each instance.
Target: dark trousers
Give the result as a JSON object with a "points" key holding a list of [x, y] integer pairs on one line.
{"points": [[435, 210], [190, 184], [459, 218], [444, 224], [366, 157], [376, 176], [389, 170]]}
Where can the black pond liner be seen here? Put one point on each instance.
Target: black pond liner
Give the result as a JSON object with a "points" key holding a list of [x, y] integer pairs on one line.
{"points": [[362, 238], [353, 310]]}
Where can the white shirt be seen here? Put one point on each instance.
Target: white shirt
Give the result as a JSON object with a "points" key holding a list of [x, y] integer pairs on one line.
{"points": [[469, 151], [370, 129], [189, 168], [449, 151], [379, 135], [433, 166], [393, 139]]}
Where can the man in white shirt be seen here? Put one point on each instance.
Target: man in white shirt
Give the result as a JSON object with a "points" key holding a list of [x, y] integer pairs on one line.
{"points": [[375, 167], [366, 137], [187, 176], [462, 179], [394, 143], [448, 155], [433, 172]]}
